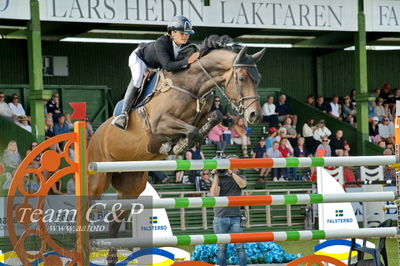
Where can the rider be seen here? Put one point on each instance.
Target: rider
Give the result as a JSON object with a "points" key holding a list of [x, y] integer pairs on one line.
{"points": [[161, 53]]}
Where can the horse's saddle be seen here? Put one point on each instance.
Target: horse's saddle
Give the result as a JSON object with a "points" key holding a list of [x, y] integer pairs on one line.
{"points": [[146, 92]]}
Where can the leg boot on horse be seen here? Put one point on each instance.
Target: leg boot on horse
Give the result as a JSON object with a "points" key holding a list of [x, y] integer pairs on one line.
{"points": [[212, 120], [121, 121]]}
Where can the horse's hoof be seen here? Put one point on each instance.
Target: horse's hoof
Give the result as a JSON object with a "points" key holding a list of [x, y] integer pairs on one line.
{"points": [[165, 148]]}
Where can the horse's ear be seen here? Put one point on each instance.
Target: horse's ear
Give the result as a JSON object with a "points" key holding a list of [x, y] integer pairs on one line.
{"points": [[257, 56], [240, 55]]}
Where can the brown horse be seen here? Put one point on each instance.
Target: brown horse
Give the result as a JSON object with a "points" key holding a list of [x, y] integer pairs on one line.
{"points": [[173, 115]]}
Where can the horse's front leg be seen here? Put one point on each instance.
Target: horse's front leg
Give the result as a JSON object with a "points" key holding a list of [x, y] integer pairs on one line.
{"points": [[171, 127], [208, 123]]}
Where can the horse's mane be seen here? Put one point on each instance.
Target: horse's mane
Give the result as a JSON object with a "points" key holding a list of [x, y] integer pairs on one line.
{"points": [[209, 44]]}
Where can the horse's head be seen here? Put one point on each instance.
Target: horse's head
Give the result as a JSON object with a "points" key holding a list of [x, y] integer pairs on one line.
{"points": [[241, 87]]}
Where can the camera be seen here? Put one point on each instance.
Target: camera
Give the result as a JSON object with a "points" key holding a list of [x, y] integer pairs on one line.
{"points": [[222, 172]]}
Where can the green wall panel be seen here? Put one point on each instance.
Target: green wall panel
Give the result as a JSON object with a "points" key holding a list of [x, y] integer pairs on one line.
{"points": [[292, 70], [338, 71]]}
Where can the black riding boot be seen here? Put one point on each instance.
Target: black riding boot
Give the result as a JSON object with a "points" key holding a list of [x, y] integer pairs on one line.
{"points": [[121, 121]]}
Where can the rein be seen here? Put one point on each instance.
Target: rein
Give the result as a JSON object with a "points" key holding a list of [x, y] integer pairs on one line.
{"points": [[241, 108]]}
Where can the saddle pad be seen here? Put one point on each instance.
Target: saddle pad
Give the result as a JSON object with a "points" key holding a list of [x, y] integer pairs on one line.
{"points": [[144, 97]]}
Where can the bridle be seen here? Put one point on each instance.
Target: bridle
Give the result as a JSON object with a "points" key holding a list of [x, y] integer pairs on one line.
{"points": [[241, 108]]}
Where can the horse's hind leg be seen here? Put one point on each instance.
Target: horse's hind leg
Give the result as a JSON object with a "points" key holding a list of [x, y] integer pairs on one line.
{"points": [[128, 186]]}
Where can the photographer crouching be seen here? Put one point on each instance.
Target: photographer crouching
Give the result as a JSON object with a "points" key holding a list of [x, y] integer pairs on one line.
{"points": [[228, 219]]}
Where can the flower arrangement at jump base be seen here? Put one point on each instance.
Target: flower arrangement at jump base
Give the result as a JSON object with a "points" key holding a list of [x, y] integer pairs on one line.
{"points": [[257, 253]]}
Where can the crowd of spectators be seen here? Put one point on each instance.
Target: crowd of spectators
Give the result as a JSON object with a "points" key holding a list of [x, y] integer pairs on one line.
{"points": [[282, 139]]}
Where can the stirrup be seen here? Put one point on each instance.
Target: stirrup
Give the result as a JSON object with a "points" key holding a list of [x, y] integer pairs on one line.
{"points": [[121, 121]]}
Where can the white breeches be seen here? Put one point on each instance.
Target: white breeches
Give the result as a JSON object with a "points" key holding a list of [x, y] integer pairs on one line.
{"points": [[138, 67]]}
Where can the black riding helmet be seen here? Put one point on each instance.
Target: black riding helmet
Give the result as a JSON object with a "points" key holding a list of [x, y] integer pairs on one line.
{"points": [[181, 24]]}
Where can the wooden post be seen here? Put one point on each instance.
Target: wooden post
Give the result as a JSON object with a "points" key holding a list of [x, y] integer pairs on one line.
{"points": [[82, 193]]}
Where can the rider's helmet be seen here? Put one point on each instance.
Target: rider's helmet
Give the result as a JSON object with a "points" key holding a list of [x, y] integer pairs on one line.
{"points": [[181, 24]]}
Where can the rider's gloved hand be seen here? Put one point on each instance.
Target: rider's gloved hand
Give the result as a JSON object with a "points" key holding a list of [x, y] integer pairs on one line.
{"points": [[193, 57]]}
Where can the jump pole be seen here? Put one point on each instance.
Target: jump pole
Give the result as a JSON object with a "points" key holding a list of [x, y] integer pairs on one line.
{"points": [[293, 199], [245, 237], [140, 166]]}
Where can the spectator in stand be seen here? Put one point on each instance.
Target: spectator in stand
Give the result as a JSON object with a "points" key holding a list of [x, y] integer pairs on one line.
{"points": [[393, 99], [321, 105], [239, 135], [348, 109], [15, 106], [205, 182], [49, 128], [353, 94], [389, 173], [49, 132], [194, 153], [386, 130], [380, 111], [377, 92], [371, 110], [385, 93], [374, 130], [11, 158], [259, 151], [178, 174], [269, 112], [36, 161], [321, 131], [338, 145], [5, 110], [89, 130], [217, 105], [54, 107], [310, 100], [301, 151], [323, 149], [283, 110], [334, 108], [382, 144], [291, 133], [390, 146], [308, 134], [160, 176], [274, 152], [271, 137], [68, 121], [216, 136], [281, 135], [61, 127], [23, 121], [285, 152]]}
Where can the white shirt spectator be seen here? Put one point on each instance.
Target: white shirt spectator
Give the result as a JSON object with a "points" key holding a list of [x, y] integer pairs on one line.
{"points": [[320, 132], [271, 153], [5, 110], [380, 111], [17, 110], [307, 131], [386, 131], [335, 109], [268, 109]]}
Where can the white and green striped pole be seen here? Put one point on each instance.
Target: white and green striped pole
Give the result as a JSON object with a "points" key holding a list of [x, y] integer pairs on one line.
{"points": [[154, 241], [140, 166], [265, 200]]}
